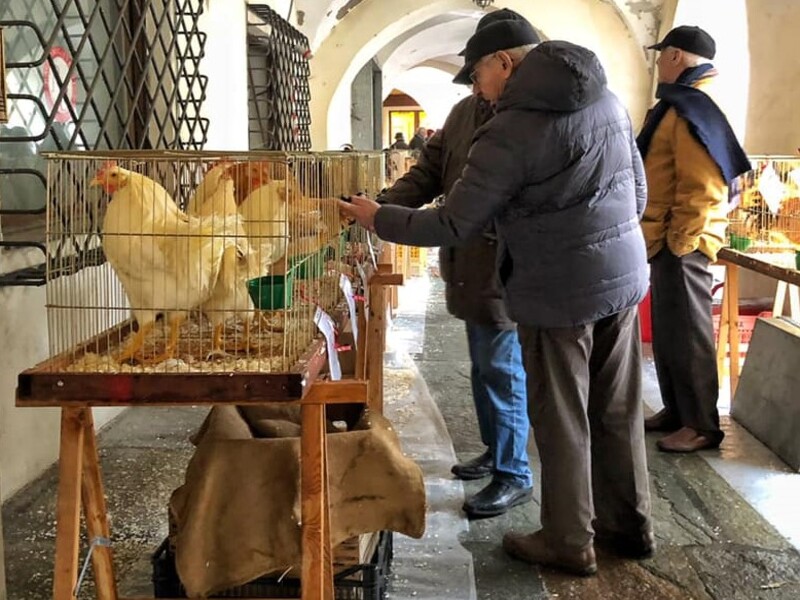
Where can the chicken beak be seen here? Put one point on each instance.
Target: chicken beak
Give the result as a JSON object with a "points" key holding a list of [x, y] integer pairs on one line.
{"points": [[95, 182]]}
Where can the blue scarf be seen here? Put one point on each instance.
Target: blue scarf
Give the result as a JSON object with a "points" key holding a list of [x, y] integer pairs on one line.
{"points": [[706, 121]]}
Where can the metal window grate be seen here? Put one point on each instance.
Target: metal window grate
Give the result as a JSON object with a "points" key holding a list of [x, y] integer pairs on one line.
{"points": [[91, 75], [3, 111], [278, 72]]}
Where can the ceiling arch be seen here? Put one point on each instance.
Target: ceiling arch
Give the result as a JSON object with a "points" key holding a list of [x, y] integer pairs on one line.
{"points": [[370, 28]]}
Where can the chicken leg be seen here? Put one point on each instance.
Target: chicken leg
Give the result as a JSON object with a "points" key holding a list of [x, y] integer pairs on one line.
{"points": [[243, 344], [171, 346], [221, 349], [136, 343]]}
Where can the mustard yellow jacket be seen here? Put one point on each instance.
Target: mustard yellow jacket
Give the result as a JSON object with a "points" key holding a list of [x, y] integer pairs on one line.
{"points": [[686, 193]]}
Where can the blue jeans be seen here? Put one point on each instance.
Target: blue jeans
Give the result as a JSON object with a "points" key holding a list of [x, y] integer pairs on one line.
{"points": [[498, 389]]}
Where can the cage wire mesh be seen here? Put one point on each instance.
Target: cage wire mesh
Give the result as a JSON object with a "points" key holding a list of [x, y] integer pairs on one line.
{"points": [[765, 209], [214, 263]]}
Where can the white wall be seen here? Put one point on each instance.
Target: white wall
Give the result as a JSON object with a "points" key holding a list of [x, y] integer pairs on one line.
{"points": [[372, 25], [733, 55], [774, 121], [225, 63]]}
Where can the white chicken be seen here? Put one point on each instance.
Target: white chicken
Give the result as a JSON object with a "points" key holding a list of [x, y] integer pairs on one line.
{"points": [[167, 261], [264, 210], [230, 298]]}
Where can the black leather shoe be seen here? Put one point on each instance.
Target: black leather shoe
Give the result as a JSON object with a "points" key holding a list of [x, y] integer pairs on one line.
{"points": [[663, 420], [495, 499], [627, 546], [477, 468]]}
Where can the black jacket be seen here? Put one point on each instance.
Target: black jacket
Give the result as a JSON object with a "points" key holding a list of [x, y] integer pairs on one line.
{"points": [[472, 290], [558, 170]]}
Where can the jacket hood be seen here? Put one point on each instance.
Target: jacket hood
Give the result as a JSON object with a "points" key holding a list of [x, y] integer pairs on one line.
{"points": [[555, 76]]}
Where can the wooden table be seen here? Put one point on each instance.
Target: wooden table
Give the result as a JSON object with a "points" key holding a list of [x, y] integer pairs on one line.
{"points": [[79, 479], [732, 260]]}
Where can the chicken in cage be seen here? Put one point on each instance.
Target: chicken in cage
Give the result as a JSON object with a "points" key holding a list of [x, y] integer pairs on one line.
{"points": [[765, 207], [214, 263]]}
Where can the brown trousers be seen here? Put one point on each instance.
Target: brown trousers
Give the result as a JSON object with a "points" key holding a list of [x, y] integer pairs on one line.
{"points": [[585, 407]]}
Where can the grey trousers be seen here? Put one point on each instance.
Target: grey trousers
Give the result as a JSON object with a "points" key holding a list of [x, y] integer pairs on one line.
{"points": [[683, 339], [585, 407]]}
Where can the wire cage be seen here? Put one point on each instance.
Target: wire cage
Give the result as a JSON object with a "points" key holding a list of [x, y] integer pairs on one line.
{"points": [[764, 212], [215, 263]]}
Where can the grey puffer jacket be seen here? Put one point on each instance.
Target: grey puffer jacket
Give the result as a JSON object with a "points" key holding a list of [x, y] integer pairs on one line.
{"points": [[558, 170]]}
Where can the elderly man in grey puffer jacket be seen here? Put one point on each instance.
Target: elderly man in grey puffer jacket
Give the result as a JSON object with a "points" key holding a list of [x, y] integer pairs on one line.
{"points": [[558, 170]]}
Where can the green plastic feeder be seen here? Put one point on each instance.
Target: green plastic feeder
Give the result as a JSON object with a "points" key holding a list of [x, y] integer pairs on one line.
{"points": [[272, 292], [740, 242]]}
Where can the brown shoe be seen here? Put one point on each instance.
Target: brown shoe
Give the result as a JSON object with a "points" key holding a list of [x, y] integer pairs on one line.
{"points": [[663, 420], [638, 546], [686, 439], [533, 549]]}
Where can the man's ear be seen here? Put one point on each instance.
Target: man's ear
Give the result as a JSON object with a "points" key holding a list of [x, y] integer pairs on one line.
{"points": [[506, 64]]}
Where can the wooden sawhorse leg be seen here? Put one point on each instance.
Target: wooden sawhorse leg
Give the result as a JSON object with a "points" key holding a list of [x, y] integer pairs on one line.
{"points": [[780, 300], [80, 483], [317, 563], [731, 299], [317, 567], [376, 332]]}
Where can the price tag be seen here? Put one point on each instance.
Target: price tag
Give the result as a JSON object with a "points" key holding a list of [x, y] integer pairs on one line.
{"points": [[363, 275], [771, 188], [371, 250], [325, 324], [349, 296]]}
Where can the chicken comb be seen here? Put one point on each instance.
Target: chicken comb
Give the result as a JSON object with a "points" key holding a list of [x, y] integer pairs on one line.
{"points": [[109, 164]]}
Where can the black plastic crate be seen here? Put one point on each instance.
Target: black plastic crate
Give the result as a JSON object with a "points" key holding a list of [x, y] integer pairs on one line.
{"points": [[359, 582]]}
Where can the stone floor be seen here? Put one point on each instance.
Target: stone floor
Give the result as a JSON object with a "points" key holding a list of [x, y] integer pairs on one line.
{"points": [[713, 543]]}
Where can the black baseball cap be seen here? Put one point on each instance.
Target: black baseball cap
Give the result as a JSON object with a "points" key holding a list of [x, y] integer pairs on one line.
{"points": [[501, 14], [691, 39], [497, 34]]}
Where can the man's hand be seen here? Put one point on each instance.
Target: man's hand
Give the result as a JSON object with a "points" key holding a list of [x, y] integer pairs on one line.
{"points": [[362, 209]]}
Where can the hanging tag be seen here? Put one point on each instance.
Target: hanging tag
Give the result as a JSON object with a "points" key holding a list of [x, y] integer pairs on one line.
{"points": [[771, 189], [347, 290], [363, 275], [325, 324], [371, 250]]}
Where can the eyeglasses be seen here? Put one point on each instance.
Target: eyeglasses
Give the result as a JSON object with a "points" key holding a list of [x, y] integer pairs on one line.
{"points": [[473, 76]]}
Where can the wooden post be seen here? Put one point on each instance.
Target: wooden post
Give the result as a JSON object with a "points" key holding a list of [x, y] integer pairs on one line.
{"points": [[376, 345], [68, 505], [361, 350], [722, 334], [317, 570], [732, 282], [376, 333], [94, 509]]}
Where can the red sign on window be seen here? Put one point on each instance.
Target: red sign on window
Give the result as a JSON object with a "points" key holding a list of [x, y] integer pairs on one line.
{"points": [[61, 62]]}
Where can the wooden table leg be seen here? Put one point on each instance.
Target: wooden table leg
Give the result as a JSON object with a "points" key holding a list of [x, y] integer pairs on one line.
{"points": [[361, 346], [732, 281], [316, 573], [68, 506], [327, 547], [376, 345], [722, 333], [94, 509]]}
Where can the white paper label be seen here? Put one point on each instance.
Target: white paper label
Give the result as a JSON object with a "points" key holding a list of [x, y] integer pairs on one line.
{"points": [[349, 296], [771, 188], [326, 325], [371, 250], [363, 275]]}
